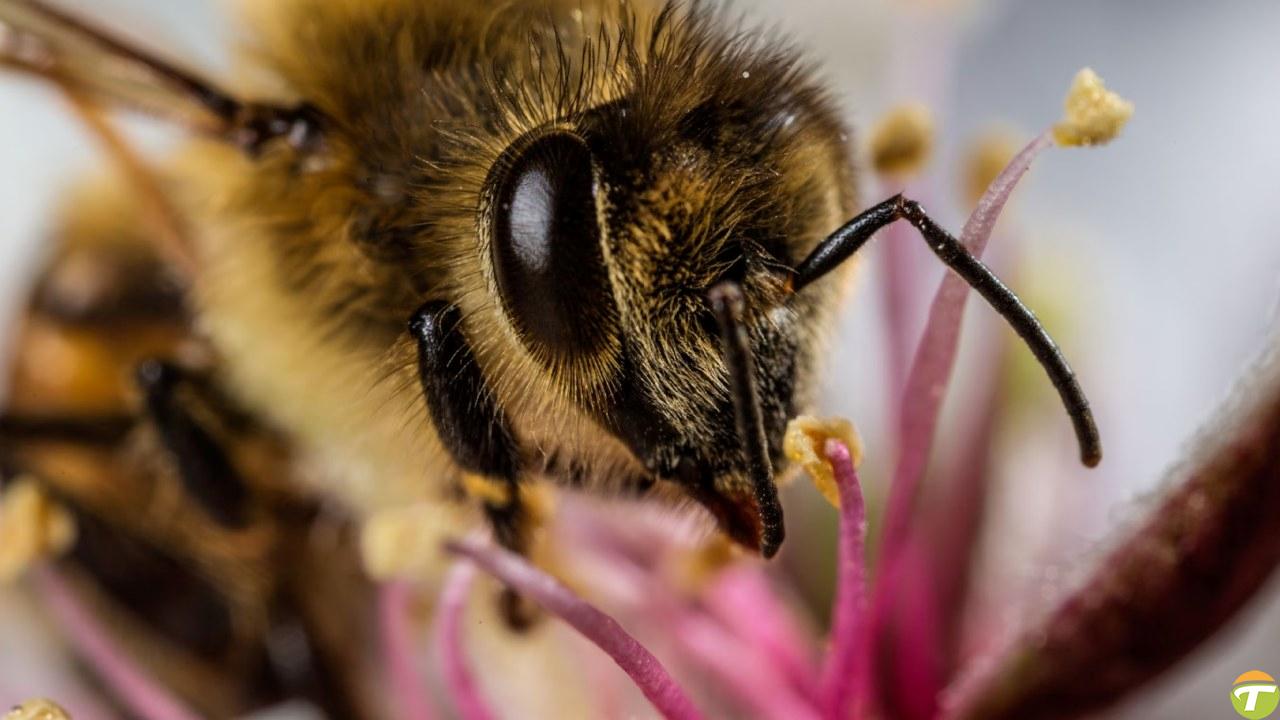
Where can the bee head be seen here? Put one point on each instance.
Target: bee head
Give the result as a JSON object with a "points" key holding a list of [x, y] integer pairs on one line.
{"points": [[607, 232]]}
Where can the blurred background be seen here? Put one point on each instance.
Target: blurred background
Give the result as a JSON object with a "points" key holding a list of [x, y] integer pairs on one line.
{"points": [[1155, 260]]}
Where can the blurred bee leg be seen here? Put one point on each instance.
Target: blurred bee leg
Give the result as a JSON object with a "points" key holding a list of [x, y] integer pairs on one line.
{"points": [[307, 668], [475, 431], [203, 466], [505, 509], [87, 430], [20, 432], [512, 527]]}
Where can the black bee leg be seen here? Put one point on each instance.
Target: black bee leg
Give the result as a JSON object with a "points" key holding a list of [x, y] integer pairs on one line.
{"points": [[84, 430], [474, 429], [9, 470], [517, 611], [203, 466], [466, 415]]}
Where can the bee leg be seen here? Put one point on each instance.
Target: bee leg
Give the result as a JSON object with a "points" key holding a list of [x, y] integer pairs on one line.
{"points": [[512, 526], [466, 415], [475, 431], [203, 466], [308, 667], [88, 430]]}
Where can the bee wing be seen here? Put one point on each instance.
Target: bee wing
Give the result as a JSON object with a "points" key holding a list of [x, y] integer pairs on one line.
{"points": [[39, 39]]}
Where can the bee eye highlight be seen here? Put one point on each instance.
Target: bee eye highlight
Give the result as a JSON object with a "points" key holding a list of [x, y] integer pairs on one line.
{"points": [[545, 246]]}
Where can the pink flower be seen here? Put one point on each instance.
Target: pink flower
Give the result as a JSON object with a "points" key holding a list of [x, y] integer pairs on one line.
{"points": [[893, 649]]}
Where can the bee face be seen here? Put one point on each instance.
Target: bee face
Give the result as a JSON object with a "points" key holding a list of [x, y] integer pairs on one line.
{"points": [[606, 232]]}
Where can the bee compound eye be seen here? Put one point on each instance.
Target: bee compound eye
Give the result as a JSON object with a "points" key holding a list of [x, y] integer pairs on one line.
{"points": [[546, 246]]}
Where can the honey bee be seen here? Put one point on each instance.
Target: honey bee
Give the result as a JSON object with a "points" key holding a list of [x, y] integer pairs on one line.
{"points": [[431, 251]]}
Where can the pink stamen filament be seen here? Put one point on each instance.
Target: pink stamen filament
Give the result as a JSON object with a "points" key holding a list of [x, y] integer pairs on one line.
{"points": [[142, 696], [738, 635], [921, 403], [742, 599], [459, 681], [395, 601], [844, 670], [935, 355], [644, 669], [745, 672]]}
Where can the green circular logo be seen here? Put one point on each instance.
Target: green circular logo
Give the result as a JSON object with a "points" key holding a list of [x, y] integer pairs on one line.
{"points": [[1255, 695]]}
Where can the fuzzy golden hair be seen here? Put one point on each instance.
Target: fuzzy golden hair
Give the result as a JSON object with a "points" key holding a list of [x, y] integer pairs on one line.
{"points": [[716, 156], [311, 272]]}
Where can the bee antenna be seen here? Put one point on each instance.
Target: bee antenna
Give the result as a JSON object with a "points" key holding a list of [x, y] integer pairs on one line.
{"points": [[727, 302], [843, 243]]}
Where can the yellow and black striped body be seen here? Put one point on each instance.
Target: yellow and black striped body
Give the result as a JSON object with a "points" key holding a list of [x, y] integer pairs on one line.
{"points": [[234, 594]]}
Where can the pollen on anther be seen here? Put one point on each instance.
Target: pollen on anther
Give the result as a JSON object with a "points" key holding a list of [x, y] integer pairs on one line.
{"points": [[1093, 114], [38, 709], [901, 143], [803, 444], [33, 526]]}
